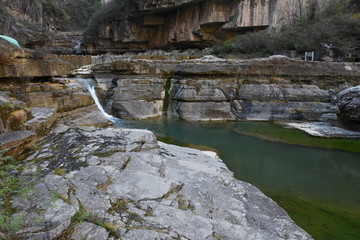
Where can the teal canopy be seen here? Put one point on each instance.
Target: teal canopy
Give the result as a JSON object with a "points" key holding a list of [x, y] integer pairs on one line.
{"points": [[10, 40]]}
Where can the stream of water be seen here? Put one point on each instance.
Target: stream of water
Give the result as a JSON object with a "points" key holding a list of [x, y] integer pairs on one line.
{"points": [[308, 182]]}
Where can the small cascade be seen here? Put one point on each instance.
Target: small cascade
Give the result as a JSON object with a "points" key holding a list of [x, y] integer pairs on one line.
{"points": [[89, 83]]}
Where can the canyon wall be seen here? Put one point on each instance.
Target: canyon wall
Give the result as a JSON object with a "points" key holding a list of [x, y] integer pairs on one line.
{"points": [[188, 23], [213, 89], [41, 23]]}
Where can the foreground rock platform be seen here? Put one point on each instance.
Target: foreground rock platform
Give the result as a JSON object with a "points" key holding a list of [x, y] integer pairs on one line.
{"points": [[112, 183]]}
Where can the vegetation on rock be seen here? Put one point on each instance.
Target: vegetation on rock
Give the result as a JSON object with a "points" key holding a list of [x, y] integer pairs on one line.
{"points": [[11, 187], [337, 25], [114, 10]]}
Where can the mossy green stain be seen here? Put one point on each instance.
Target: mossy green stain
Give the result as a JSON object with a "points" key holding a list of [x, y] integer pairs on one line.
{"points": [[126, 163], [275, 132], [166, 97]]}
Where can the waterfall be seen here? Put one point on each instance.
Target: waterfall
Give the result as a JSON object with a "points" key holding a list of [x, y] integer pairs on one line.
{"points": [[89, 83]]}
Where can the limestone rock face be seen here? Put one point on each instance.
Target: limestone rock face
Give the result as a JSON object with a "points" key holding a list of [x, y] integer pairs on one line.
{"points": [[139, 96], [62, 97], [213, 89], [187, 23], [24, 64], [36, 24], [43, 119], [122, 183], [36, 106], [348, 103]]}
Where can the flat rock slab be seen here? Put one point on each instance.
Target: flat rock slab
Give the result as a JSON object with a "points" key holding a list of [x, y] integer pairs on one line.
{"points": [[114, 183], [324, 129], [17, 141]]}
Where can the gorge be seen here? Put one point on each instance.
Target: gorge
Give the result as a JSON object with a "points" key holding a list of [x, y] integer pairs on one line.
{"points": [[92, 171]]}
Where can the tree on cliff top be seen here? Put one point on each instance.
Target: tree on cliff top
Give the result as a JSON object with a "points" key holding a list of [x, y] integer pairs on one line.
{"points": [[112, 11]]}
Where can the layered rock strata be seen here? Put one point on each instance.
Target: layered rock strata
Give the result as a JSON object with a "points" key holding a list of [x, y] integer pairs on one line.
{"points": [[209, 88], [122, 184], [53, 25], [26, 64], [187, 23], [35, 107], [17, 142]]}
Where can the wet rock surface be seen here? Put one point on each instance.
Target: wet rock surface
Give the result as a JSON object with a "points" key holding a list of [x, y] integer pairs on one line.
{"points": [[324, 129], [116, 183]]}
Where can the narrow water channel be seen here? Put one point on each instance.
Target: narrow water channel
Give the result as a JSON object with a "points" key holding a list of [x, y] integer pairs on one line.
{"points": [[318, 187]]}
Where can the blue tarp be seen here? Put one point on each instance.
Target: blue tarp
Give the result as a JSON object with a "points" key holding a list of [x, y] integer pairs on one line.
{"points": [[10, 40]]}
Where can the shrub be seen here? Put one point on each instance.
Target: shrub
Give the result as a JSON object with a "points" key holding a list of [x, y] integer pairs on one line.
{"points": [[114, 10], [337, 25]]}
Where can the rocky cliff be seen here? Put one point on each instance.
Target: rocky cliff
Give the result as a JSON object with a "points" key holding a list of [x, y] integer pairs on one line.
{"points": [[180, 24], [30, 97], [209, 88], [40, 23]]}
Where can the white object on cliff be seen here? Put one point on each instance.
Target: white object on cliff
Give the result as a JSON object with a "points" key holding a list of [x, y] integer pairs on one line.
{"points": [[11, 40]]}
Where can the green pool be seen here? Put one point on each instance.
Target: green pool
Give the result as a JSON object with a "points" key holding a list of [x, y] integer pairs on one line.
{"points": [[318, 185]]}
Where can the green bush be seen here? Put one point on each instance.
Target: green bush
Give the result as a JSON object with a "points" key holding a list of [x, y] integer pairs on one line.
{"points": [[70, 16], [114, 10]]}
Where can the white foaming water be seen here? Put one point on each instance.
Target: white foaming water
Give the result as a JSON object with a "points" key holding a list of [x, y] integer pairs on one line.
{"points": [[90, 86]]}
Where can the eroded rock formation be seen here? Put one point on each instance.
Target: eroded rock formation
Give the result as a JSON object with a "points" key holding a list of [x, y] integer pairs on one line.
{"points": [[148, 24], [25, 64], [209, 88], [51, 24]]}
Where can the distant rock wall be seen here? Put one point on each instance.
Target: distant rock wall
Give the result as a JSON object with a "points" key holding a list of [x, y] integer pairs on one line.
{"points": [[37, 23], [189, 23], [212, 89]]}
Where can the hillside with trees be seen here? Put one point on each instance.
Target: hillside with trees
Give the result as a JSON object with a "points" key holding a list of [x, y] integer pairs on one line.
{"points": [[335, 27]]}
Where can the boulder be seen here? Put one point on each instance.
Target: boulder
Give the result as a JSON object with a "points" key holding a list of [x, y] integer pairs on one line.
{"points": [[348, 103]]}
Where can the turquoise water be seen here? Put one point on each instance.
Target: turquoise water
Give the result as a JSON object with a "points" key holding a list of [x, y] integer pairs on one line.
{"points": [[314, 174]]}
